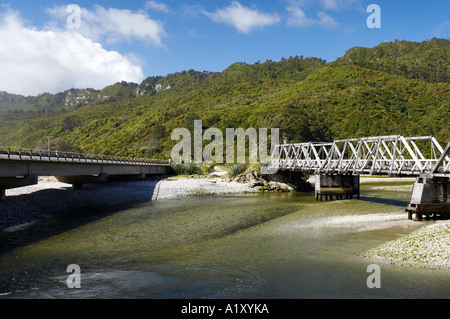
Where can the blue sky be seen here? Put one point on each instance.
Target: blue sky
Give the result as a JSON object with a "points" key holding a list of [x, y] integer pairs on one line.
{"points": [[130, 40]]}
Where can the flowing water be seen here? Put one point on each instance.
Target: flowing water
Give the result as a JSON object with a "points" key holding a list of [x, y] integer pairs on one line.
{"points": [[241, 246]]}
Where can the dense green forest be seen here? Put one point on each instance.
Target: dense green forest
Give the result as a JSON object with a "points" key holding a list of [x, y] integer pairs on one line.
{"points": [[398, 87]]}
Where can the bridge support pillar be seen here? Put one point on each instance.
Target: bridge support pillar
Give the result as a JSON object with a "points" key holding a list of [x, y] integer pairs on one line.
{"points": [[340, 186], [2, 195], [429, 198], [78, 181]]}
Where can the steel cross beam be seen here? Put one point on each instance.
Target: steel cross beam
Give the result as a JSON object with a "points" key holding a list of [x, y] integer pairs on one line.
{"points": [[393, 155]]}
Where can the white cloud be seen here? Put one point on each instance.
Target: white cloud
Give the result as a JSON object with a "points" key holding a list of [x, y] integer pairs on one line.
{"points": [[326, 20], [113, 25], [157, 6], [325, 4], [337, 4], [34, 61], [331, 4], [298, 18], [443, 30], [242, 18]]}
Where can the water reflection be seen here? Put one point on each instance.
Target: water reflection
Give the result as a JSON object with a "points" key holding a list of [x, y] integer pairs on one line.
{"points": [[246, 246]]}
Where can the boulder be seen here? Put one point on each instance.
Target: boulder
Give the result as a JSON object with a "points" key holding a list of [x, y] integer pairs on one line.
{"points": [[276, 186], [254, 180]]}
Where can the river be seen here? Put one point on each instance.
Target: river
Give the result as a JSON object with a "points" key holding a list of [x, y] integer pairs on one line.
{"points": [[268, 246]]}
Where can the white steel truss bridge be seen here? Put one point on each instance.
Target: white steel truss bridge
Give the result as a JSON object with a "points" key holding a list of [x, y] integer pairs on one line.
{"points": [[338, 165], [393, 155]]}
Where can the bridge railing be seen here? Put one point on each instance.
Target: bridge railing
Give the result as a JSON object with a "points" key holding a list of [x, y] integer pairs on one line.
{"points": [[12, 153]]}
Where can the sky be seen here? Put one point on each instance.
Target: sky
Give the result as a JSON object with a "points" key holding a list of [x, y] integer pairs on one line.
{"points": [[52, 46]]}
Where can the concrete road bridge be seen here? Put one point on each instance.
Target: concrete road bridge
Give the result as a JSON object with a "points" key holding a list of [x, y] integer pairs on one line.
{"points": [[338, 166], [21, 167]]}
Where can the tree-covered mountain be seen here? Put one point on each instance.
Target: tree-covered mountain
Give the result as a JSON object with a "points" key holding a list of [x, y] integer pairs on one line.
{"points": [[427, 60], [398, 87]]}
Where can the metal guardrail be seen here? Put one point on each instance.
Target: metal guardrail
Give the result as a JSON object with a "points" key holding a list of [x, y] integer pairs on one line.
{"points": [[24, 154]]}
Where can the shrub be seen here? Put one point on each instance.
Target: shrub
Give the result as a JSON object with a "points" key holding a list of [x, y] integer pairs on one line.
{"points": [[187, 169], [235, 169]]}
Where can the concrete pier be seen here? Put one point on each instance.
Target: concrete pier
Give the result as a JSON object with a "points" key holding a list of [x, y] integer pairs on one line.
{"points": [[78, 181], [340, 186], [429, 198]]}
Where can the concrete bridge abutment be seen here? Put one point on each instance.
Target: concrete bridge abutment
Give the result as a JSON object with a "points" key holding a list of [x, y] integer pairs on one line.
{"points": [[429, 198], [340, 186], [15, 182]]}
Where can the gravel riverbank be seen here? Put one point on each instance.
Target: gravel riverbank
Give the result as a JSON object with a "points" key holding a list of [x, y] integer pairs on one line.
{"points": [[428, 247], [178, 186]]}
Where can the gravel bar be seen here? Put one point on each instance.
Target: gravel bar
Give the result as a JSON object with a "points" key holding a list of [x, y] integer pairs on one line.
{"points": [[427, 247]]}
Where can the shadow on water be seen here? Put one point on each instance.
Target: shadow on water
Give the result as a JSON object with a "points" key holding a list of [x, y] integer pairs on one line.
{"points": [[385, 201], [39, 215]]}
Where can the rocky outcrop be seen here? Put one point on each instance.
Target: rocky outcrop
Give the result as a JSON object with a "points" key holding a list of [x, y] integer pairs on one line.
{"points": [[276, 182]]}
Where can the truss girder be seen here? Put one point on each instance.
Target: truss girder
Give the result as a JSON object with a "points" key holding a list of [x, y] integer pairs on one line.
{"points": [[382, 155]]}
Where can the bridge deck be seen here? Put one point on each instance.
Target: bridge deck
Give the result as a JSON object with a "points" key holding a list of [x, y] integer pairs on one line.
{"points": [[20, 154]]}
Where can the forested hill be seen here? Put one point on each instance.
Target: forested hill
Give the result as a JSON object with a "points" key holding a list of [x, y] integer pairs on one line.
{"points": [[398, 87], [429, 61]]}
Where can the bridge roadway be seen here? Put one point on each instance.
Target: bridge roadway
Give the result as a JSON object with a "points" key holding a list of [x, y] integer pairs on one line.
{"points": [[22, 167], [337, 166]]}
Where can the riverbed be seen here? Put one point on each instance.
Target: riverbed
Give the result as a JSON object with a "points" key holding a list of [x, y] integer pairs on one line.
{"points": [[228, 245]]}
